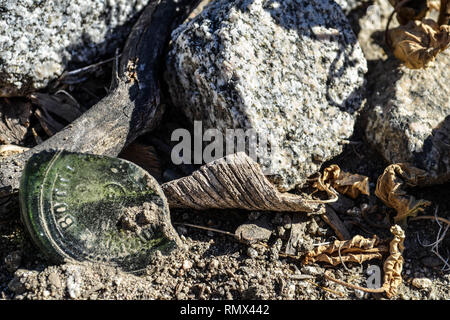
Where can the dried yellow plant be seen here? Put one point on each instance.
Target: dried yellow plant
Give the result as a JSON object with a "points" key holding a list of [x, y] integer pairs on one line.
{"points": [[346, 183], [393, 265], [358, 249], [390, 189], [419, 42]]}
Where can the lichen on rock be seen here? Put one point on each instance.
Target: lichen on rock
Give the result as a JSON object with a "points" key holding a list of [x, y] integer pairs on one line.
{"points": [[40, 39], [291, 70]]}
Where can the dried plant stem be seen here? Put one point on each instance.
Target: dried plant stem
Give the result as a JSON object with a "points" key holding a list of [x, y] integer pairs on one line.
{"points": [[431, 218], [353, 286], [326, 289], [205, 228], [386, 30]]}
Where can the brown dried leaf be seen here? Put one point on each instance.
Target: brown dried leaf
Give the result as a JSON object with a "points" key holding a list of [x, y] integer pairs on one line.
{"points": [[390, 190], [234, 181], [144, 156], [410, 10], [419, 42], [346, 183], [15, 120], [394, 263], [358, 249]]}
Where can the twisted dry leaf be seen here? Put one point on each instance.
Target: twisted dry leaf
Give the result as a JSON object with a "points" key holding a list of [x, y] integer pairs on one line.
{"points": [[358, 249], [394, 263], [390, 190], [234, 181], [392, 267], [419, 42], [346, 183]]}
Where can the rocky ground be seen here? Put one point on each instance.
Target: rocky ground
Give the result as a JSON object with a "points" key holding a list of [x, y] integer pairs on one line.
{"points": [[212, 265]]}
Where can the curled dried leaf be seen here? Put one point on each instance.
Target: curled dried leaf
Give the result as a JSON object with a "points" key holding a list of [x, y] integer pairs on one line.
{"points": [[390, 190], [392, 267], [144, 156], [358, 249], [234, 181], [346, 183], [419, 42], [394, 263], [410, 10]]}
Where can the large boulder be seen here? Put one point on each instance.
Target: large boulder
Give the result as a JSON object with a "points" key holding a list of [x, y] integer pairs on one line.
{"points": [[41, 39], [409, 117], [408, 110], [291, 70]]}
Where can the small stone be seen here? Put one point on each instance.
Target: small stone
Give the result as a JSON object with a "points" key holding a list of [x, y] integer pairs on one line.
{"points": [[422, 283], [13, 260], [290, 291], [201, 264], [281, 231], [254, 231], [360, 294], [54, 280], [74, 282], [254, 215], [310, 270], [187, 264], [252, 253], [213, 264], [313, 227], [16, 286], [287, 221]]}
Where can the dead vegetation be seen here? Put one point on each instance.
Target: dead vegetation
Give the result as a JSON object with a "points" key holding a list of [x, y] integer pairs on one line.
{"points": [[235, 182], [418, 40]]}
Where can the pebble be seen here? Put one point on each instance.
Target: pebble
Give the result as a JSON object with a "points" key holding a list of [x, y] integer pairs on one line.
{"points": [[214, 264], [310, 270], [252, 253], [422, 283], [187, 264], [360, 294], [74, 282], [13, 260], [16, 286], [54, 279]]}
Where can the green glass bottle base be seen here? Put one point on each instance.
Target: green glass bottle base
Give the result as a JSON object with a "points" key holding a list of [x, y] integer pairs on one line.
{"points": [[94, 208]]}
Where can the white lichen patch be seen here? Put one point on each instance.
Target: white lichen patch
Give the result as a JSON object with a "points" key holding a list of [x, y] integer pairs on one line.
{"points": [[291, 70]]}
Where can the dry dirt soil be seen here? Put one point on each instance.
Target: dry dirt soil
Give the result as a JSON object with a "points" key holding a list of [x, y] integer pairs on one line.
{"points": [[212, 265]]}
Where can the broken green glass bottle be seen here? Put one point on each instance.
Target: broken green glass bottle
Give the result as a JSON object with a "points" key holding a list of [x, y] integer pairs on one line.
{"points": [[94, 208]]}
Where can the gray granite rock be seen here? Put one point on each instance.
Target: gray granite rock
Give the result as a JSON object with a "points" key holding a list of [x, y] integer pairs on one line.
{"points": [[291, 70], [408, 110], [409, 117], [39, 39], [349, 5]]}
